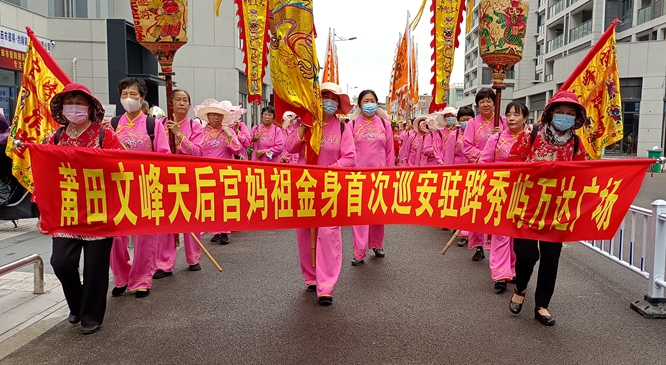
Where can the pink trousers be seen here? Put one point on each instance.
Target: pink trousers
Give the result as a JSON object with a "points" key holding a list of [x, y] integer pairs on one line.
{"points": [[328, 258], [166, 251], [502, 260], [367, 237], [477, 239], [138, 274]]}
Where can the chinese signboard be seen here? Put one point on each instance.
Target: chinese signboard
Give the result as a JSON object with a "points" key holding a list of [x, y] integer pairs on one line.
{"points": [[100, 193], [12, 48]]}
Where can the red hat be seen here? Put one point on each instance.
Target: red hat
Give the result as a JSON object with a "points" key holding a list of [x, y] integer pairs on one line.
{"points": [[568, 97], [96, 110]]}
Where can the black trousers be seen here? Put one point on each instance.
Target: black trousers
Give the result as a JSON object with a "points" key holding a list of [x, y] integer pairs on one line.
{"points": [[527, 255], [87, 299]]}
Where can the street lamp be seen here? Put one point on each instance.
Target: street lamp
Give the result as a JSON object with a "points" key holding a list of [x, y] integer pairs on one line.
{"points": [[342, 39], [350, 87]]}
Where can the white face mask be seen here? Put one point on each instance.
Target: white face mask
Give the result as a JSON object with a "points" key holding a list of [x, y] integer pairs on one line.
{"points": [[131, 105]]}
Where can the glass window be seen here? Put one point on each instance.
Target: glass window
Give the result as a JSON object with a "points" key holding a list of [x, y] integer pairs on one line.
{"points": [[81, 9]]}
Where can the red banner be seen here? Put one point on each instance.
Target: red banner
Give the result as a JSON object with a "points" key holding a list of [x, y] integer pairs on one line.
{"points": [[102, 192]]}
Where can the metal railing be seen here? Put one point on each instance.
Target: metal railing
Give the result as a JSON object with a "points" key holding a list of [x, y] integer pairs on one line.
{"points": [[644, 14], [640, 246], [541, 30], [556, 8], [580, 31], [539, 59], [555, 43], [39, 270], [549, 77]]}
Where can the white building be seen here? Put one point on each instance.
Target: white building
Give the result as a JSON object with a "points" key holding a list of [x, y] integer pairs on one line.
{"points": [[93, 41], [559, 34]]}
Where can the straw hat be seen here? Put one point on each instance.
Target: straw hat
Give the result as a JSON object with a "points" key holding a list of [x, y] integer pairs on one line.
{"points": [[345, 106], [214, 106]]}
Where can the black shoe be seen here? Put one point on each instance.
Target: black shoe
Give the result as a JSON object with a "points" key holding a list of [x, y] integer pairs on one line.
{"points": [[216, 238], [325, 301], [118, 291], [195, 267], [513, 280], [378, 252], [514, 307], [544, 320], [142, 293], [73, 318], [312, 288], [356, 262], [462, 242], [478, 255], [224, 239], [89, 330], [159, 274], [500, 286]]}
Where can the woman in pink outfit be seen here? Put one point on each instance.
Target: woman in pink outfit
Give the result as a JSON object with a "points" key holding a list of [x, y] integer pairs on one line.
{"points": [[220, 140], [288, 126], [405, 143], [447, 122], [189, 137], [477, 133], [337, 149], [416, 143], [453, 151], [432, 144], [136, 134], [242, 132], [373, 139], [502, 259], [267, 138]]}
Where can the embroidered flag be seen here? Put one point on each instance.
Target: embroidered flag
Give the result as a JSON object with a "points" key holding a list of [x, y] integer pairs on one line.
{"points": [[597, 83], [294, 67], [447, 18], [32, 123]]}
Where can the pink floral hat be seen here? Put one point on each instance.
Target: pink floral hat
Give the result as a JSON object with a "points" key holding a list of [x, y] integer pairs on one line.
{"points": [[214, 106]]}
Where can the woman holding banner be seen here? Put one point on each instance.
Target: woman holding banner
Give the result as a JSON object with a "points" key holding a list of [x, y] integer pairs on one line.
{"points": [[337, 149], [137, 132], [268, 138], [189, 137], [553, 138], [220, 140], [81, 115], [373, 140], [502, 259], [477, 133]]}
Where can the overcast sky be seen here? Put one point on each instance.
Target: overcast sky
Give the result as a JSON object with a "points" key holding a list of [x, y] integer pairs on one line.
{"points": [[367, 61]]}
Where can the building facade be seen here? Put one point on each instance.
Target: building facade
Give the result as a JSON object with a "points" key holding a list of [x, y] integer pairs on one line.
{"points": [[93, 41], [559, 35]]}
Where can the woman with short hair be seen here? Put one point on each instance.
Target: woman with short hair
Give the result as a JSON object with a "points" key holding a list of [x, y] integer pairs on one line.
{"points": [[267, 138]]}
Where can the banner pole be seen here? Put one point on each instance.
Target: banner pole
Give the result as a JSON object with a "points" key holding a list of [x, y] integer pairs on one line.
{"points": [[205, 251]]}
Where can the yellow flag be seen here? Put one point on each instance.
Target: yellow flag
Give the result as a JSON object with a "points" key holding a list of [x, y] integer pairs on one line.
{"points": [[32, 123], [596, 82]]}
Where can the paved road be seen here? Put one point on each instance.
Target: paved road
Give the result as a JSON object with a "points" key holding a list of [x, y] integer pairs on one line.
{"points": [[413, 307]]}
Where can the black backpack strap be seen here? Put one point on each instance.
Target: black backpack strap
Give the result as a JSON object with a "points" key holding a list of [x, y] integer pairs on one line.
{"points": [[576, 142], [101, 137], [150, 128], [535, 132], [457, 134], [115, 121], [440, 134], [58, 134], [342, 129]]}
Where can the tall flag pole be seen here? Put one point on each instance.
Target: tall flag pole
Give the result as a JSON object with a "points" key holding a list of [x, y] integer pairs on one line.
{"points": [[32, 122], [596, 81], [446, 20]]}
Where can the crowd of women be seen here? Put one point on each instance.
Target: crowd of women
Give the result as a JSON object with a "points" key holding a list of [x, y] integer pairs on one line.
{"points": [[367, 139]]}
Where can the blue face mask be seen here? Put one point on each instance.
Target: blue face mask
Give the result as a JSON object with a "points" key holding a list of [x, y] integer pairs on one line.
{"points": [[563, 122], [463, 125], [330, 106], [450, 121], [369, 109]]}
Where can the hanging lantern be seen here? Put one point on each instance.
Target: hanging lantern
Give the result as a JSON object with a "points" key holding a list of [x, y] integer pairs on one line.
{"points": [[161, 27], [502, 27]]}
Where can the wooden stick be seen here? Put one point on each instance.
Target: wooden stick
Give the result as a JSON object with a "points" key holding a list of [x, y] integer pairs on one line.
{"points": [[448, 244], [219, 268], [172, 137], [313, 245]]}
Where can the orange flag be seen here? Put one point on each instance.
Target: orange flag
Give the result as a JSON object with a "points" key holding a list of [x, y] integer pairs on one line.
{"points": [[32, 123], [597, 83], [331, 73]]}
